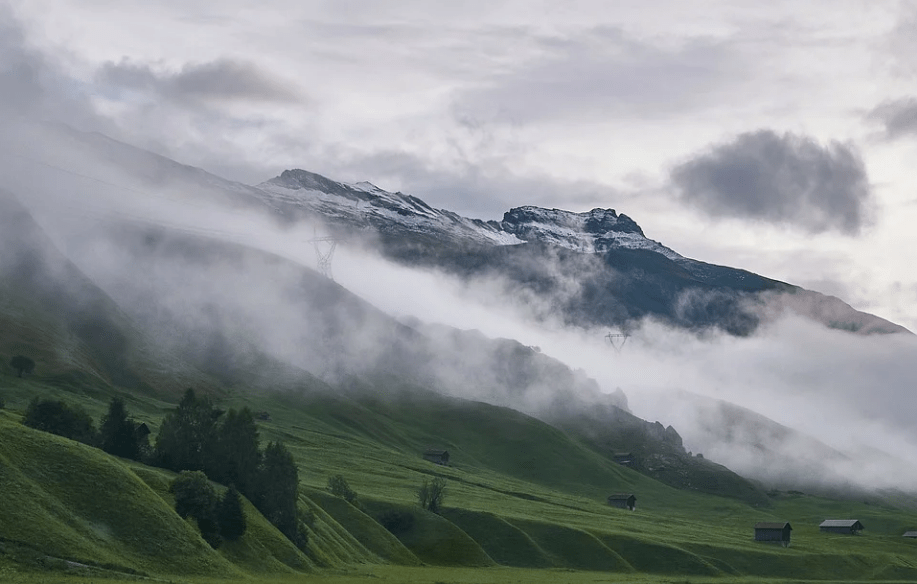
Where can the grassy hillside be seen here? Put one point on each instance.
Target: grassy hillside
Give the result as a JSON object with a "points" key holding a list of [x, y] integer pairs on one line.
{"points": [[525, 499], [532, 498]]}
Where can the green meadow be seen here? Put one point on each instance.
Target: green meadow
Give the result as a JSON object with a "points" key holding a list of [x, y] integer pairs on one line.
{"points": [[524, 503]]}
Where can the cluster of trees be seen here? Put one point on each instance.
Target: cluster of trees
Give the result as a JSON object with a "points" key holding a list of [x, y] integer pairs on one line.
{"points": [[225, 447], [218, 518], [118, 434], [208, 443]]}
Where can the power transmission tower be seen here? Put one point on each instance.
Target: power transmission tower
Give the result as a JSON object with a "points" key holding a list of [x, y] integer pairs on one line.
{"points": [[324, 251], [617, 340]]}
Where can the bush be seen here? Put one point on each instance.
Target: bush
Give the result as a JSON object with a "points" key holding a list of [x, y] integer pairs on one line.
{"points": [[430, 495], [195, 497], [59, 418], [339, 488], [22, 364], [397, 522]]}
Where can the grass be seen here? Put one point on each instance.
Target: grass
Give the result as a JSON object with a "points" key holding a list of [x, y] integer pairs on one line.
{"points": [[527, 505]]}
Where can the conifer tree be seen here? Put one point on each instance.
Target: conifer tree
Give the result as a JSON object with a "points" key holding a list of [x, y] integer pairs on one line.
{"points": [[230, 516], [278, 492], [118, 433], [186, 437]]}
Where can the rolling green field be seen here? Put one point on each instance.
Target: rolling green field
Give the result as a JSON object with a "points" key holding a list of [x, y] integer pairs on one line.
{"points": [[524, 503]]}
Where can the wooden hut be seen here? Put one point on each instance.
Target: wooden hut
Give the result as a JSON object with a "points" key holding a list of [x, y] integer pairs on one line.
{"points": [[623, 501], [778, 532], [844, 526], [910, 534], [623, 458], [437, 456]]}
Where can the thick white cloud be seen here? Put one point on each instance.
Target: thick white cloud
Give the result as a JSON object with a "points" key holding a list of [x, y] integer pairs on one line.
{"points": [[479, 106]]}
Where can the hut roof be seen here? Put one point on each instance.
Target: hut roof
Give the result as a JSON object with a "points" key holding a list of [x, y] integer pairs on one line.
{"points": [[618, 496], [772, 525], [435, 452], [910, 534], [841, 523]]}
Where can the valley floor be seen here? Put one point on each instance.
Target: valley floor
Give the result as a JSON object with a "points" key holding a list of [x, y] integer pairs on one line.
{"points": [[413, 575]]}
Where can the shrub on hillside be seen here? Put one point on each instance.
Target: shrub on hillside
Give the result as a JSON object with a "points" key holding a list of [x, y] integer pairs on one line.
{"points": [[430, 495], [22, 364], [195, 497], [57, 417], [396, 522], [338, 487]]}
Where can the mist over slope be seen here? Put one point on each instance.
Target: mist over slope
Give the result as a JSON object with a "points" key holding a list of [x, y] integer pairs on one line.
{"points": [[592, 269], [215, 271]]}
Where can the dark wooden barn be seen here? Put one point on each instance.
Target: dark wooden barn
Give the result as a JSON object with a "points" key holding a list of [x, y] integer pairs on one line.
{"points": [[623, 501], [623, 458], [437, 456], [775, 531], [844, 526]]}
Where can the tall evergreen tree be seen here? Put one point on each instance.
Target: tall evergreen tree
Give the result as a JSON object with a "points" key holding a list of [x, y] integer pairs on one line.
{"points": [[118, 433], [230, 516], [278, 492], [186, 437], [237, 453]]}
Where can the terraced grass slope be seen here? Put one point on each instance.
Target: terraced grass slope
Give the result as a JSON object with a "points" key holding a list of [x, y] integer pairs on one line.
{"points": [[74, 502], [521, 493]]}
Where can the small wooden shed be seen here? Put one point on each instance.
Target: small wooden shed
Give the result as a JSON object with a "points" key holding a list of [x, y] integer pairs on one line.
{"points": [[774, 531], [910, 534], [844, 526], [623, 501], [623, 458], [437, 456]]}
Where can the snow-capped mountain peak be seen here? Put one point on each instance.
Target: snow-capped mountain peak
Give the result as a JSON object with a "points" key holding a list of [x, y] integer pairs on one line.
{"points": [[364, 205], [596, 231]]}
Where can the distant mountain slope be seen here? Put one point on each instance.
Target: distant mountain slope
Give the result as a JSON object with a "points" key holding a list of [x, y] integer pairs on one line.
{"points": [[245, 320], [594, 269], [620, 275], [51, 312]]}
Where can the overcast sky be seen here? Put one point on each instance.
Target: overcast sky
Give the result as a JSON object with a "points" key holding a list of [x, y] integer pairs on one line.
{"points": [[768, 136]]}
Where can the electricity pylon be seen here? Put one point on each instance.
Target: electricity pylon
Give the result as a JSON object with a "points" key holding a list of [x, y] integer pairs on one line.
{"points": [[617, 340], [324, 253]]}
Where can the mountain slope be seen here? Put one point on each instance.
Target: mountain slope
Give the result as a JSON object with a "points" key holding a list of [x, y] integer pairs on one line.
{"points": [[622, 276], [50, 311]]}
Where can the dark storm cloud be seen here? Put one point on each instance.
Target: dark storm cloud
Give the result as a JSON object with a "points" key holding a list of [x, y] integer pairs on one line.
{"points": [[605, 71], [899, 117], [783, 179], [220, 80]]}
